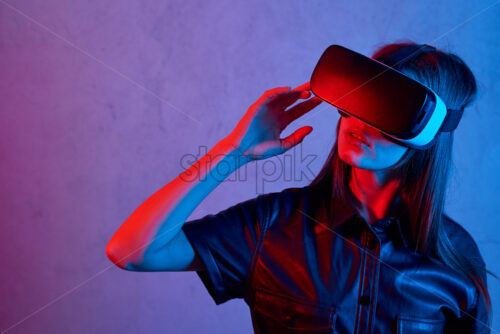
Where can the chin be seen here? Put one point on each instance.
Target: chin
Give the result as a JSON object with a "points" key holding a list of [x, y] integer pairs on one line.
{"points": [[361, 162], [352, 159]]}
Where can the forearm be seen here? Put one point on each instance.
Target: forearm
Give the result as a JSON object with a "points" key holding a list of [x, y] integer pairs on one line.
{"points": [[161, 216]]}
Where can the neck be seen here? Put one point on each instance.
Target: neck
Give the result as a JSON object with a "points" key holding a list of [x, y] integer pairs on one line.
{"points": [[374, 192]]}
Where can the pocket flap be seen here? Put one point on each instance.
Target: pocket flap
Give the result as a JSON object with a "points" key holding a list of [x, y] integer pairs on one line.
{"points": [[408, 324], [295, 314]]}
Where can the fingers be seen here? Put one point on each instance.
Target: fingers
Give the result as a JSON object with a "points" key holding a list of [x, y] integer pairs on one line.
{"points": [[295, 138], [286, 95], [276, 147], [304, 86], [303, 91], [271, 93], [302, 108], [274, 92], [286, 99]]}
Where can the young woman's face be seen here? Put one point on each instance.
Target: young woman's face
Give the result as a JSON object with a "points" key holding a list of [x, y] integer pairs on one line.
{"points": [[363, 146]]}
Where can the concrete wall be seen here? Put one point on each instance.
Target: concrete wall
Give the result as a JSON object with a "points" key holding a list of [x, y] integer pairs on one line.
{"points": [[99, 102]]}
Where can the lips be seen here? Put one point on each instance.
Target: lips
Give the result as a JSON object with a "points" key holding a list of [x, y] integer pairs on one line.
{"points": [[359, 137]]}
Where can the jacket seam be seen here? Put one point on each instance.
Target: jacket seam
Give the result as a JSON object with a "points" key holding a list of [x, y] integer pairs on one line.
{"points": [[475, 302], [255, 257], [221, 293]]}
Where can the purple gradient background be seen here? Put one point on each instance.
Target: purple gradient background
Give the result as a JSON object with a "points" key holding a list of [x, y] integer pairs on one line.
{"points": [[100, 100]]}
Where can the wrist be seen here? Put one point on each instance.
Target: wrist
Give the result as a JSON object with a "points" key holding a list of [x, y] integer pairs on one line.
{"points": [[232, 148]]}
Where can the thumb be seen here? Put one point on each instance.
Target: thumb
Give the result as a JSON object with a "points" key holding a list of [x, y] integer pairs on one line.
{"points": [[296, 137]]}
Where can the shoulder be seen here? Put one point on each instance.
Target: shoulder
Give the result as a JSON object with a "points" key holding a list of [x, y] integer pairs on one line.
{"points": [[286, 198], [462, 240], [283, 204]]}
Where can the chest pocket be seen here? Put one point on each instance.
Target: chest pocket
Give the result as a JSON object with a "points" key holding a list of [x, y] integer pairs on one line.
{"points": [[275, 313], [413, 325]]}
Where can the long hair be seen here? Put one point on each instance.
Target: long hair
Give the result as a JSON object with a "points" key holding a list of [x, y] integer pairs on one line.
{"points": [[424, 173]]}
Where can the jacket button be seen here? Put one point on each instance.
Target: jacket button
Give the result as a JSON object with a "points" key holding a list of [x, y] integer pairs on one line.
{"points": [[290, 321], [364, 300]]}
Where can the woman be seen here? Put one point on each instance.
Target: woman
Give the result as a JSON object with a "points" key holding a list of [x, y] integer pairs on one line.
{"points": [[365, 248]]}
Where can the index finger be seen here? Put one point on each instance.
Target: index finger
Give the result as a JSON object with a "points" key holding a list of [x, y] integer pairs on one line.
{"points": [[304, 86]]}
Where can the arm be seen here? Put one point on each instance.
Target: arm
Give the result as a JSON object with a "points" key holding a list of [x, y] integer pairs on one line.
{"points": [[140, 243], [151, 238]]}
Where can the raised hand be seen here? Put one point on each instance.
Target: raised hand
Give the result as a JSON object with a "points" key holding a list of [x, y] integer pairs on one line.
{"points": [[257, 134]]}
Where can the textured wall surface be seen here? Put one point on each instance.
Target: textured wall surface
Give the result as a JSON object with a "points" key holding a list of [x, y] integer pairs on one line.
{"points": [[100, 100]]}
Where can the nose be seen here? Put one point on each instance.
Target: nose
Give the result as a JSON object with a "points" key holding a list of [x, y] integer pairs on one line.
{"points": [[365, 128], [362, 125]]}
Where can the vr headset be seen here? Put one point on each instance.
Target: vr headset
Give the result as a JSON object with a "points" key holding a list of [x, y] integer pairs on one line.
{"points": [[402, 109]]}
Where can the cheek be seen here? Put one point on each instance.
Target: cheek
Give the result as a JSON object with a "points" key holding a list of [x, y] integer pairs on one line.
{"points": [[387, 153], [383, 154]]}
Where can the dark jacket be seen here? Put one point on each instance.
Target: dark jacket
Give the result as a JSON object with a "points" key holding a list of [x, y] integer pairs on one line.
{"points": [[303, 265]]}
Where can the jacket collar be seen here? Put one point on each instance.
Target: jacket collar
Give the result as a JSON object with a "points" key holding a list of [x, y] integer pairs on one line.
{"points": [[340, 212]]}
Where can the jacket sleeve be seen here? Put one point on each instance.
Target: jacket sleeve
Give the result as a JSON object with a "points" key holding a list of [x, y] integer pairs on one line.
{"points": [[227, 243]]}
